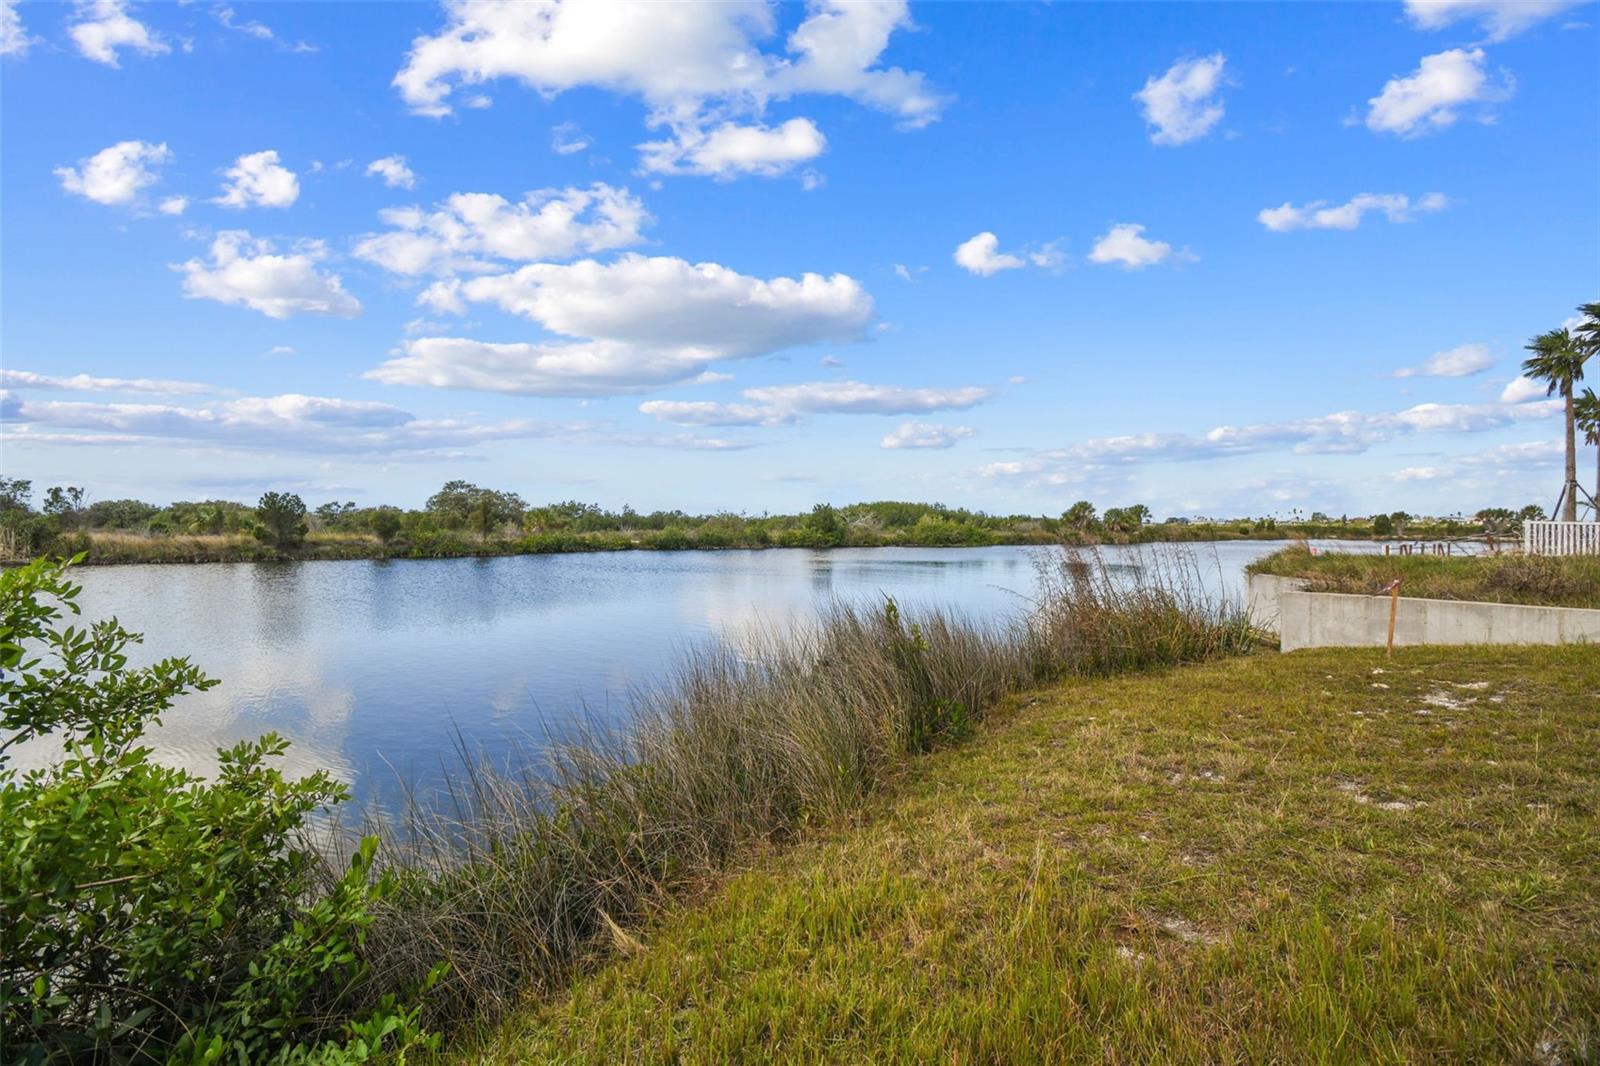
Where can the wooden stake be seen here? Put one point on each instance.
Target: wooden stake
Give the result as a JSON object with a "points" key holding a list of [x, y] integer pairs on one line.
{"points": [[1394, 607]]}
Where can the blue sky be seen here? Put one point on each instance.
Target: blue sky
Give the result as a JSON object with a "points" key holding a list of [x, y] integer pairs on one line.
{"points": [[1231, 258]]}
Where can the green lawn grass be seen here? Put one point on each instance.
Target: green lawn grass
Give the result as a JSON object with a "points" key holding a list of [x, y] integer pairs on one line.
{"points": [[1552, 581], [1323, 856]]}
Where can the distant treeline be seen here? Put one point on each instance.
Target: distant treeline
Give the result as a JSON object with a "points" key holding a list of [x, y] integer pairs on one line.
{"points": [[467, 519]]}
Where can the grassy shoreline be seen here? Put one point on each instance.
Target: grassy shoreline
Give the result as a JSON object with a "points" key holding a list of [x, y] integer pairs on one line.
{"points": [[1320, 856], [1546, 581], [520, 879], [115, 549]]}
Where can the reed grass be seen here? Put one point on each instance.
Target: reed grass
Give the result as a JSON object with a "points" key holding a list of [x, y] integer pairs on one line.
{"points": [[523, 877], [1330, 856]]}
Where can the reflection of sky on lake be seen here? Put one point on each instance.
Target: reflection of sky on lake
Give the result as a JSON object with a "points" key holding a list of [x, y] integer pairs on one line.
{"points": [[376, 670]]}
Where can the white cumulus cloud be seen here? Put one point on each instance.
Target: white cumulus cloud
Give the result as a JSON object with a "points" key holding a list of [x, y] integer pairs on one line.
{"points": [[1458, 362], [981, 255], [259, 180], [101, 27], [1125, 245], [568, 139], [1182, 105], [1319, 214], [248, 272], [633, 324], [855, 397], [394, 172], [1521, 389], [1344, 432], [1432, 97], [711, 413], [14, 39], [471, 231], [27, 379], [671, 55], [696, 66], [925, 435], [229, 19], [318, 425], [1500, 19], [776, 405], [115, 175], [729, 150]]}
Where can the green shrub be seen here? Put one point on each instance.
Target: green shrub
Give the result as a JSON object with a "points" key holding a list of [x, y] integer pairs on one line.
{"points": [[282, 518], [27, 534], [384, 523], [428, 543], [672, 539], [149, 914]]}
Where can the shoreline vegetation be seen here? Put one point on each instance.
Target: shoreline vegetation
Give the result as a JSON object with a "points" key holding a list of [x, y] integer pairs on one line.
{"points": [[466, 520], [1325, 856], [456, 915], [1537, 580], [1151, 838]]}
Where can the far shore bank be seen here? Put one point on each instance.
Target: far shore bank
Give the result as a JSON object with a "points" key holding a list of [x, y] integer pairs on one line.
{"points": [[121, 549]]}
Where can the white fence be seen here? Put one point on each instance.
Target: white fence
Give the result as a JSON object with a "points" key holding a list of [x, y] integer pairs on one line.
{"points": [[1561, 538]]}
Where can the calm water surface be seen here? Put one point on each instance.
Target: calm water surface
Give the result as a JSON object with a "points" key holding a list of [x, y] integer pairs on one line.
{"points": [[374, 670]]}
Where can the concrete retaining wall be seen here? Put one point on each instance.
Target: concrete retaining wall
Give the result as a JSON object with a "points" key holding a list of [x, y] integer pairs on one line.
{"points": [[1328, 619], [1261, 597]]}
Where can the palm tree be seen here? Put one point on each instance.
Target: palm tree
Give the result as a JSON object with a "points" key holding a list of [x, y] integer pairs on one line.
{"points": [[1558, 360], [1586, 334], [1586, 413]]}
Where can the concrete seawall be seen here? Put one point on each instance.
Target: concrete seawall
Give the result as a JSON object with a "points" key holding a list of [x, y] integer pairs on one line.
{"points": [[1328, 619]]}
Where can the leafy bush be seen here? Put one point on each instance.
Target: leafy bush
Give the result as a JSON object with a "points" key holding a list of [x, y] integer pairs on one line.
{"points": [[151, 915], [283, 520], [671, 539], [26, 534], [385, 523]]}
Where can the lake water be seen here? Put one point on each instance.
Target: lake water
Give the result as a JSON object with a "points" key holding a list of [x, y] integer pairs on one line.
{"points": [[375, 670]]}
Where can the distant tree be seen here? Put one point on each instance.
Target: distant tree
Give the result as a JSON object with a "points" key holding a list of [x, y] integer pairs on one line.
{"points": [[208, 518], [282, 518], [1398, 521], [483, 518], [1531, 513], [1382, 525], [1079, 516], [64, 503], [1586, 414], [1558, 360], [461, 503], [119, 514], [385, 523], [335, 515], [1318, 516], [1126, 519], [826, 524], [16, 494]]}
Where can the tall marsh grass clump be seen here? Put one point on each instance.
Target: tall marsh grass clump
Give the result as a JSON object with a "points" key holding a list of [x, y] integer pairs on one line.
{"points": [[524, 877]]}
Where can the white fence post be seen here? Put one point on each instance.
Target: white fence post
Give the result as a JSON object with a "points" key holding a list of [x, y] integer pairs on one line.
{"points": [[1561, 538]]}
